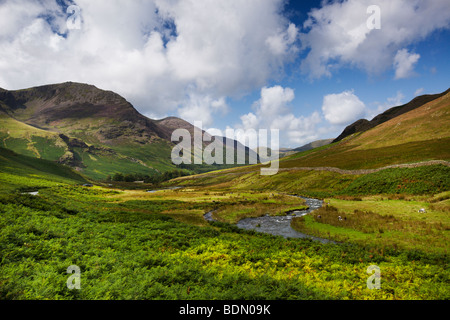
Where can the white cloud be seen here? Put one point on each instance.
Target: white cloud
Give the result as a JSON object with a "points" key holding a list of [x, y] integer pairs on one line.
{"points": [[250, 121], [282, 43], [337, 35], [274, 101], [157, 54], [394, 101], [342, 108], [273, 111], [404, 63], [418, 92], [202, 108]]}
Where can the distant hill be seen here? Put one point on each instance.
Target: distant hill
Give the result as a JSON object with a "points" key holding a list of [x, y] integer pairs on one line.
{"points": [[94, 131], [364, 125], [313, 145], [173, 123], [420, 134], [285, 152]]}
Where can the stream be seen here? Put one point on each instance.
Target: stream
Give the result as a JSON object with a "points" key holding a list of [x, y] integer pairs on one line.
{"points": [[279, 225]]}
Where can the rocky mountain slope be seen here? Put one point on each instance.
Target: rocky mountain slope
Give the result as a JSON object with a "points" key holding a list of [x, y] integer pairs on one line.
{"points": [[95, 131]]}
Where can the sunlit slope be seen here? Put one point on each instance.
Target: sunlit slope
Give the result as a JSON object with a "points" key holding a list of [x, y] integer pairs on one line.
{"points": [[29, 140], [94, 131], [429, 122], [419, 135]]}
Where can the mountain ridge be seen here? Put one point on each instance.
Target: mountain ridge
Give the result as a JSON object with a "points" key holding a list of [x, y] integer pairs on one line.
{"points": [[96, 131], [363, 125]]}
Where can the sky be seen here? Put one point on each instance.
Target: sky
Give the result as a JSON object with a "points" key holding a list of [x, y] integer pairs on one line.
{"points": [[306, 68]]}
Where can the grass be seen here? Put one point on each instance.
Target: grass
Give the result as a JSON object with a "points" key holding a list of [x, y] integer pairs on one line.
{"points": [[19, 172], [139, 248], [228, 207], [421, 180], [383, 222], [132, 244], [346, 156]]}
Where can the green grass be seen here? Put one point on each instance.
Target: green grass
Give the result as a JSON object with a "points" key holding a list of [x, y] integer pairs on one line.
{"points": [[382, 222], [431, 179], [345, 156], [421, 180], [133, 250], [99, 167], [19, 172], [48, 148]]}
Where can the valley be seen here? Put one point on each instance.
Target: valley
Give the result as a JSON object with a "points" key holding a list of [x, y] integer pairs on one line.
{"points": [[132, 244]]}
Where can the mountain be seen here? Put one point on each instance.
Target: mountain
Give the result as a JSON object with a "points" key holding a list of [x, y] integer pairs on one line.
{"points": [[364, 125], [313, 145], [421, 134], [173, 123], [420, 137], [96, 132], [285, 152]]}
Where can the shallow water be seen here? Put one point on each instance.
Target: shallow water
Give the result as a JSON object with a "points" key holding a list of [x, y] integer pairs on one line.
{"points": [[33, 193], [280, 225]]}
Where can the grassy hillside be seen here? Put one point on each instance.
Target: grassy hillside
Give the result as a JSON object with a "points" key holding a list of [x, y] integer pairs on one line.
{"points": [[364, 124], [419, 135], [29, 140], [19, 172], [427, 123], [95, 131]]}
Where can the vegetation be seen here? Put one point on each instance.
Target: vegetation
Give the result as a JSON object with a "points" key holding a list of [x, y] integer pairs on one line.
{"points": [[132, 250], [153, 179], [22, 173], [421, 180], [385, 223], [346, 156], [134, 242]]}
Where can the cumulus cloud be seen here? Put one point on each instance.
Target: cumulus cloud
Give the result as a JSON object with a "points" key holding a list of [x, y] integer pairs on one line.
{"points": [[273, 111], [404, 63], [342, 108], [337, 35], [202, 108], [160, 55], [390, 102]]}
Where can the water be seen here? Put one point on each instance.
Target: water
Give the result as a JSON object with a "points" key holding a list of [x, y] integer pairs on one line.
{"points": [[280, 225], [33, 193]]}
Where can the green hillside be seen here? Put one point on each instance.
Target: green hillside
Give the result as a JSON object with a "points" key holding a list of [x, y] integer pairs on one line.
{"points": [[94, 131], [19, 172], [419, 135]]}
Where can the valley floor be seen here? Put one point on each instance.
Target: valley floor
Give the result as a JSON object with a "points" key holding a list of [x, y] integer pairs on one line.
{"points": [[133, 244]]}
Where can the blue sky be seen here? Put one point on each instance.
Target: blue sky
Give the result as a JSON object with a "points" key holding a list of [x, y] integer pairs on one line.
{"points": [[307, 68]]}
